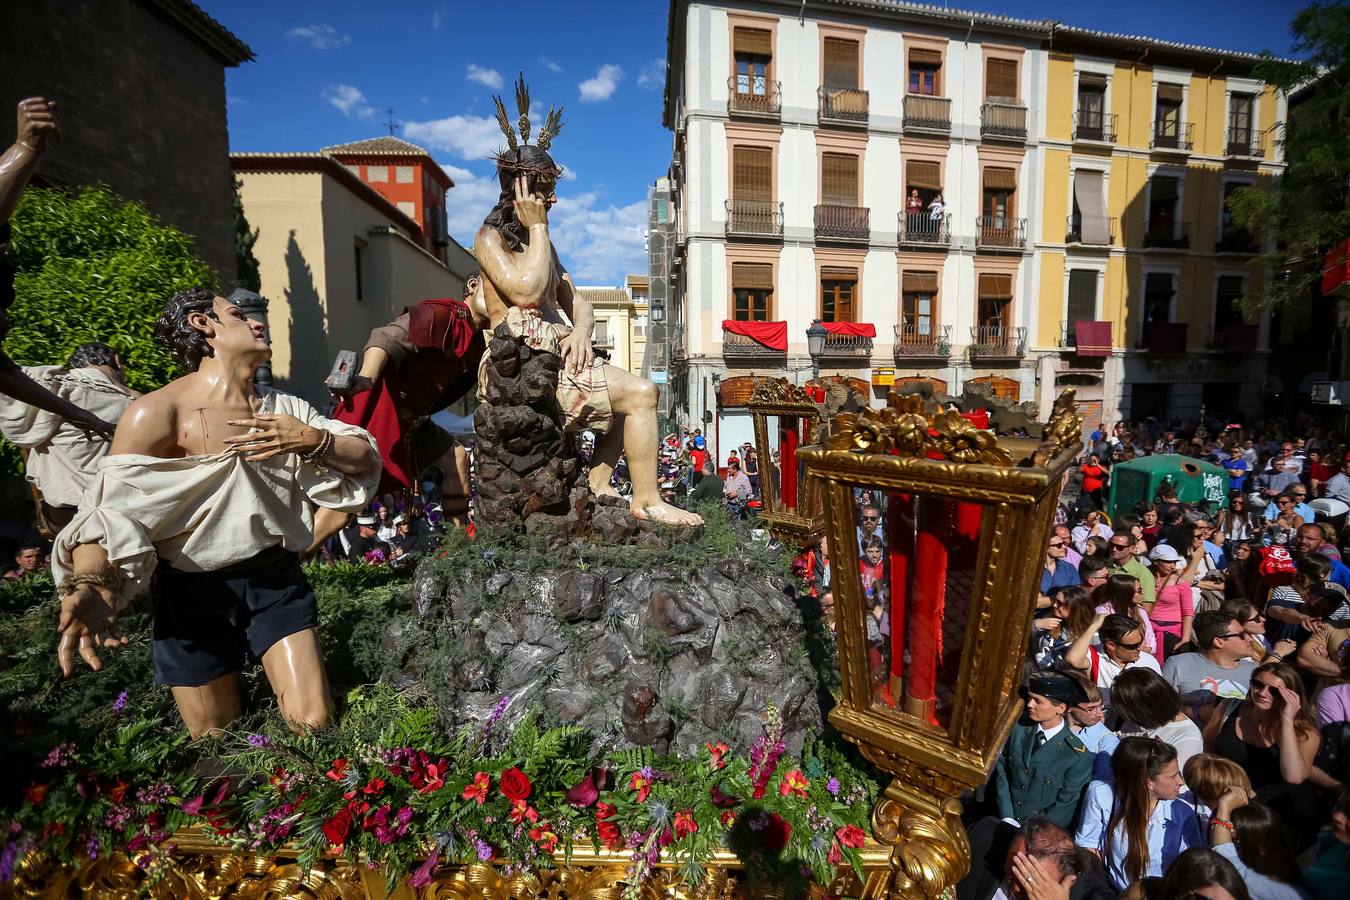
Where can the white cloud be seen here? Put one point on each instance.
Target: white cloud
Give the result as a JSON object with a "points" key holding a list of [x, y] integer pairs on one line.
{"points": [[603, 85], [348, 100], [653, 74], [320, 37], [468, 202], [486, 77], [439, 15], [467, 137], [550, 65], [232, 100], [423, 99]]}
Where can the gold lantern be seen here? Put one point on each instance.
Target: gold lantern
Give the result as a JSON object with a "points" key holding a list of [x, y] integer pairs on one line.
{"points": [[931, 636], [786, 419]]}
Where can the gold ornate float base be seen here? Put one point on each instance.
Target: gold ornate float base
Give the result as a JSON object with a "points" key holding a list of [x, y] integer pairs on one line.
{"points": [[201, 870]]}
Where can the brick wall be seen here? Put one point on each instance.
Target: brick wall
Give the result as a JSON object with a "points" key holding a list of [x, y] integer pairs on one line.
{"points": [[142, 110]]}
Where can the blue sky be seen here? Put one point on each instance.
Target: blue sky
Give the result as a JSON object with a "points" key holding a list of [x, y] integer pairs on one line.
{"points": [[326, 72]]}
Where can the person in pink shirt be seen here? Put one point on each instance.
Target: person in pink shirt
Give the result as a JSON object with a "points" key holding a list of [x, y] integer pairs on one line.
{"points": [[1174, 610]]}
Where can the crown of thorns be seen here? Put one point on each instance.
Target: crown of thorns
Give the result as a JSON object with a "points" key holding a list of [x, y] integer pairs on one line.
{"points": [[510, 159]]}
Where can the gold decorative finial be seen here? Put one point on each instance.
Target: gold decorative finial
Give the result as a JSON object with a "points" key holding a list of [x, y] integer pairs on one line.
{"points": [[552, 121], [523, 107], [504, 123]]}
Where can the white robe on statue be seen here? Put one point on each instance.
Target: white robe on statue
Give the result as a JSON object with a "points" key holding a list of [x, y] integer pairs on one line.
{"points": [[62, 459], [202, 513]]}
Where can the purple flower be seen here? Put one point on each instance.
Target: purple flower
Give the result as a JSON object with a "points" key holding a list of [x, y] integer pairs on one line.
{"points": [[121, 702], [497, 712], [117, 818], [422, 877], [7, 859], [833, 787], [91, 847], [260, 741], [155, 794], [483, 848], [60, 756]]}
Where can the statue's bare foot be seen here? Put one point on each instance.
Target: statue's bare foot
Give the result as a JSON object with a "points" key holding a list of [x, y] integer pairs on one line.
{"points": [[665, 514], [607, 490]]}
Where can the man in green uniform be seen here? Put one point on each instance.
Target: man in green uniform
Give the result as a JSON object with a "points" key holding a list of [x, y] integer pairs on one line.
{"points": [[1044, 767]]}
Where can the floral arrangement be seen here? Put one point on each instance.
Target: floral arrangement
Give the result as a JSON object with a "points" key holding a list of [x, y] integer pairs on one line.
{"points": [[387, 786]]}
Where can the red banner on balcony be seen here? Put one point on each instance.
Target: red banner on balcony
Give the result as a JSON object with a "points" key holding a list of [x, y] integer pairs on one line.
{"points": [[851, 329], [771, 334], [1092, 338], [1337, 269]]}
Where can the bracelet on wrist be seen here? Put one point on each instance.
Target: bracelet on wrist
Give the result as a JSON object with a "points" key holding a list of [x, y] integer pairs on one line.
{"points": [[1222, 823], [316, 455]]}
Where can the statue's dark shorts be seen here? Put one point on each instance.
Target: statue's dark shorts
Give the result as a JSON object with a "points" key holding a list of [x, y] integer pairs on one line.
{"points": [[209, 624]]}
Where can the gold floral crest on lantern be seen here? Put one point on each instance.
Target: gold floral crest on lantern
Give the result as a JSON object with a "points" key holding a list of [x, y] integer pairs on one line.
{"points": [[910, 426], [779, 392]]}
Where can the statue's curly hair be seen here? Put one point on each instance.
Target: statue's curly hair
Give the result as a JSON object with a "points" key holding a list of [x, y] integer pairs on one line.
{"points": [[185, 344], [95, 353]]}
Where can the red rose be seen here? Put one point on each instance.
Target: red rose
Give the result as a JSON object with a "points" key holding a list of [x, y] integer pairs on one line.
{"points": [[335, 829], [851, 836], [514, 784]]}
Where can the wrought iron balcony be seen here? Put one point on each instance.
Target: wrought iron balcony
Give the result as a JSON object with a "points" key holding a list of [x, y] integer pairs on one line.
{"points": [[1091, 231], [1003, 119], [843, 223], [922, 230], [924, 114], [1235, 239], [754, 218], [1000, 233], [1164, 338], [1171, 136], [919, 342], [1176, 236], [1235, 337], [1247, 143], [1094, 126], [754, 98], [847, 348], [743, 349], [842, 106], [997, 342]]}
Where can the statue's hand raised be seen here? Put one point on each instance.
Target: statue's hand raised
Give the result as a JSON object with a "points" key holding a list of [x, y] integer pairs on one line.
{"points": [[37, 122], [530, 208]]}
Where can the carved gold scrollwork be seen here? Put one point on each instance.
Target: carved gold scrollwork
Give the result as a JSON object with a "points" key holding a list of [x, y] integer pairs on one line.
{"points": [[911, 426], [931, 851], [780, 392]]}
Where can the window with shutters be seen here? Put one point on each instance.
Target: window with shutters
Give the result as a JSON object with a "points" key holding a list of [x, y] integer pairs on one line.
{"points": [[1228, 291], [1091, 107], [840, 69], [602, 332], [1082, 296], [925, 177], [1167, 117], [924, 66], [1162, 205], [751, 174], [751, 291], [995, 302], [1000, 79], [996, 205], [639, 326], [918, 297], [753, 50], [1157, 297], [1241, 119], [838, 293], [839, 179]]}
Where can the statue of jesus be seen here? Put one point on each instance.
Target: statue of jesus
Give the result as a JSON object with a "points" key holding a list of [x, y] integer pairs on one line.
{"points": [[524, 285]]}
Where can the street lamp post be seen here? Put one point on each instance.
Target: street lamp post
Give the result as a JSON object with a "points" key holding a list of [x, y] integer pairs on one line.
{"points": [[815, 345]]}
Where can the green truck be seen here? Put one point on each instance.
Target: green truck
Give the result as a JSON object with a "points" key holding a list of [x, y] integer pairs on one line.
{"points": [[1139, 479]]}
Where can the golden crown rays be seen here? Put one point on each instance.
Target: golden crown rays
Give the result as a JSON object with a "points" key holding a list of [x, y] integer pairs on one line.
{"points": [[552, 120]]}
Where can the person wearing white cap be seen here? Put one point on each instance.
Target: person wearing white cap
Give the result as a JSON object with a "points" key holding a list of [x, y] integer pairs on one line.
{"points": [[366, 539], [1174, 610]]}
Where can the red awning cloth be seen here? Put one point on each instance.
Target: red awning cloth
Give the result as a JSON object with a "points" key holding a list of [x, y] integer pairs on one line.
{"points": [[1337, 270], [851, 329], [1092, 338], [771, 334]]}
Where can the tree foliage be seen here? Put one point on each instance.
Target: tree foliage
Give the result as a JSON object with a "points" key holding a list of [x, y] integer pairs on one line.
{"points": [[93, 266], [245, 263], [1309, 211]]}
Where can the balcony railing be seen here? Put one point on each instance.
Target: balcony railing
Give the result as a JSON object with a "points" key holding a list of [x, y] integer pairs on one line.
{"points": [[1246, 142], [1234, 239], [916, 342], [843, 223], [1235, 337], [1176, 236], [1094, 126], [843, 106], [1171, 136], [1091, 231], [1000, 232], [847, 348], [1164, 338], [758, 99], [997, 342], [757, 218], [739, 348], [1005, 119], [922, 230], [925, 114], [1068, 332]]}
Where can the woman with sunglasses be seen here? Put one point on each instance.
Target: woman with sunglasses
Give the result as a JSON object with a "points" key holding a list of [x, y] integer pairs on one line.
{"points": [[1123, 595], [1252, 838], [1273, 736], [1135, 824], [1236, 521], [1285, 516], [1072, 614]]}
